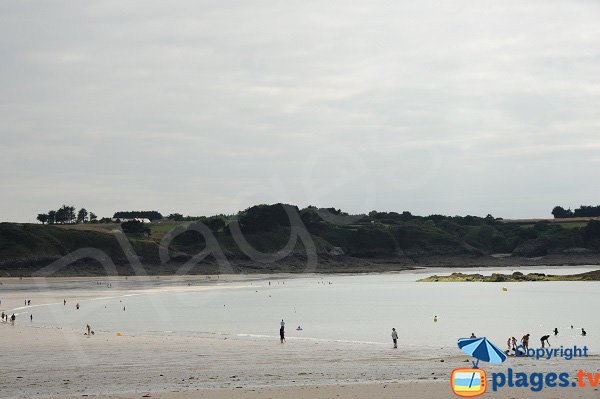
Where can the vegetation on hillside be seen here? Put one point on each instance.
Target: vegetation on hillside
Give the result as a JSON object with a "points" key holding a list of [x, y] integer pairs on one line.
{"points": [[334, 233], [66, 215], [152, 215], [583, 211]]}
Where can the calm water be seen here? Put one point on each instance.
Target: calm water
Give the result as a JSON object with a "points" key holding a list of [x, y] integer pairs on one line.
{"points": [[353, 308]]}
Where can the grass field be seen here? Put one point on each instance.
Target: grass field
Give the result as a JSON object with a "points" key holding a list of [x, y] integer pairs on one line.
{"points": [[567, 223]]}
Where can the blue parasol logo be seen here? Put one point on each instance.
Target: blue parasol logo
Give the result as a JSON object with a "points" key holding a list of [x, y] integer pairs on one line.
{"points": [[472, 382], [481, 349]]}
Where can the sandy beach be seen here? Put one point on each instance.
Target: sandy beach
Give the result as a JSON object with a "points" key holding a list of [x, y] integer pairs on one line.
{"points": [[59, 363]]}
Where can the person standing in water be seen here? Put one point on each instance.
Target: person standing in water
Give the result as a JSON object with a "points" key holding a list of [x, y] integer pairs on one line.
{"points": [[395, 338], [555, 331], [282, 334], [583, 333]]}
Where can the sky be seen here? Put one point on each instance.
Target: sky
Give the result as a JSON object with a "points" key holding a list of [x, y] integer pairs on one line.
{"points": [[206, 107]]}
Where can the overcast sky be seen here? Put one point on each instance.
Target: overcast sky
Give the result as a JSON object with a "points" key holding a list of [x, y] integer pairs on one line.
{"points": [[203, 107]]}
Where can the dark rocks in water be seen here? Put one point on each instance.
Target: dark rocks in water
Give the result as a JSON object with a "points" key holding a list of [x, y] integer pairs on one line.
{"points": [[496, 278]]}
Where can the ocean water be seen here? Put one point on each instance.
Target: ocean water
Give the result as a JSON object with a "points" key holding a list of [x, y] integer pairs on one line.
{"points": [[353, 308]]}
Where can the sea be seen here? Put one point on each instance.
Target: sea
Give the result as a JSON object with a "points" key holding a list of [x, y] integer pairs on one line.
{"points": [[358, 309]]}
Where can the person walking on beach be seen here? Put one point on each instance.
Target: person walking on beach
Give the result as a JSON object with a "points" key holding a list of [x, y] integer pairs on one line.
{"points": [[77, 306], [89, 330], [583, 333], [472, 335], [555, 331], [544, 340], [395, 338], [514, 343], [282, 324], [282, 334], [525, 341], [31, 317], [65, 302], [12, 319]]}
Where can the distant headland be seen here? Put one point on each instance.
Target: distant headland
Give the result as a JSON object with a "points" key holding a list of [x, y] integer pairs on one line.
{"points": [[333, 240]]}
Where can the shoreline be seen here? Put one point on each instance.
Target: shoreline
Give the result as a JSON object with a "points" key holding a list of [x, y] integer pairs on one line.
{"points": [[293, 265], [260, 276]]}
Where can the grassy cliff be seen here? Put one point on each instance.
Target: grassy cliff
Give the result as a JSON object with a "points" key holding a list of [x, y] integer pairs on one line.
{"points": [[370, 242]]}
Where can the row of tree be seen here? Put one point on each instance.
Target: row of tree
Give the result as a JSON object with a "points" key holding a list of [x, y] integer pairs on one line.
{"points": [[66, 215], [152, 215], [583, 211]]}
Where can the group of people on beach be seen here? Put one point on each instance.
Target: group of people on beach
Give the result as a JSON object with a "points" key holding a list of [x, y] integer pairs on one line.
{"points": [[512, 346], [6, 318]]}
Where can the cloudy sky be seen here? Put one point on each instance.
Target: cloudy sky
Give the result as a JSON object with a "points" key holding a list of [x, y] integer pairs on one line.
{"points": [[202, 107]]}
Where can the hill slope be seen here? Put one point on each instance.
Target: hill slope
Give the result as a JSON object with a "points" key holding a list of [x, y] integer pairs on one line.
{"points": [[375, 242]]}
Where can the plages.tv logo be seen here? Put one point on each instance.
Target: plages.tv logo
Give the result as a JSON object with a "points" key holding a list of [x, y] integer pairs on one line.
{"points": [[471, 382]]}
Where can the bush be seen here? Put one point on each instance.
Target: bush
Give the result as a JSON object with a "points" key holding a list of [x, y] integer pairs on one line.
{"points": [[134, 227]]}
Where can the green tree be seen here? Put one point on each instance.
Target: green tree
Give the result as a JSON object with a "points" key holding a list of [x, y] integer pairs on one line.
{"points": [[82, 215], [93, 218], [134, 227], [178, 217], [591, 233], [61, 215], [560, 212], [65, 215], [152, 215], [51, 217], [42, 217]]}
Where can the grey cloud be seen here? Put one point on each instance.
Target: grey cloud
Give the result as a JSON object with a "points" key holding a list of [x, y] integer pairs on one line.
{"points": [[204, 107]]}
